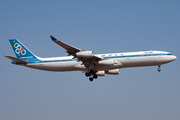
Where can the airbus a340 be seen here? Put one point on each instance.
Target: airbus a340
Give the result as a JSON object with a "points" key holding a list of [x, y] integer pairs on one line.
{"points": [[93, 65]]}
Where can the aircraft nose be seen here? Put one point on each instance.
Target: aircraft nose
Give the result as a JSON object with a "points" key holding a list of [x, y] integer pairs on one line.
{"points": [[174, 57], [171, 58]]}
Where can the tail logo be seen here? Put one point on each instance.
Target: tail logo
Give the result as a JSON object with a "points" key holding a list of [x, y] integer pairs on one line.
{"points": [[19, 50]]}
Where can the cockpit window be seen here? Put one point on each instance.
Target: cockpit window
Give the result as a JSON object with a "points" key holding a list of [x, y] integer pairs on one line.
{"points": [[169, 54]]}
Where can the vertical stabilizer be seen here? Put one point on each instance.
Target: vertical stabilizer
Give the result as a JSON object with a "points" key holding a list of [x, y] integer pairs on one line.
{"points": [[21, 51]]}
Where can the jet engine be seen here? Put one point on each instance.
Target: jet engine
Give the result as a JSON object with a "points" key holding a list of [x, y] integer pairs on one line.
{"points": [[113, 72], [84, 54], [106, 62], [100, 73]]}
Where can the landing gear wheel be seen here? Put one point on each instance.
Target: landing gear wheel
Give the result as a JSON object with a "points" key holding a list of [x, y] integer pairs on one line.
{"points": [[95, 76], [159, 70], [87, 74], [91, 79]]}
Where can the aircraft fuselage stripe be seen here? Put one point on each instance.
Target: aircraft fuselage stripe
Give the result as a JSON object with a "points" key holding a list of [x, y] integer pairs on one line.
{"points": [[108, 57]]}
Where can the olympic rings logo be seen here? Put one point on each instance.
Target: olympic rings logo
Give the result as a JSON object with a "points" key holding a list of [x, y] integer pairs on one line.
{"points": [[19, 50]]}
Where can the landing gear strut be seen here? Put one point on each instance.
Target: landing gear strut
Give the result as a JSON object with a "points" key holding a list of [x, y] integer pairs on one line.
{"points": [[91, 73], [159, 68]]}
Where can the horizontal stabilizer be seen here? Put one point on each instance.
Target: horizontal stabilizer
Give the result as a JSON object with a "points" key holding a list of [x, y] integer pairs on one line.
{"points": [[17, 60]]}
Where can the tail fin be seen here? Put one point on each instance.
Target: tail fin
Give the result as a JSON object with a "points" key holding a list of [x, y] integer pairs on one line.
{"points": [[21, 51]]}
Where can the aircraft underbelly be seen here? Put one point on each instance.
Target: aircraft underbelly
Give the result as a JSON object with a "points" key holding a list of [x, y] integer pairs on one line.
{"points": [[57, 66]]}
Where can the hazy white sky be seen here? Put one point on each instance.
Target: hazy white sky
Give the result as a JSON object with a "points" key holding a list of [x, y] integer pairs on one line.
{"points": [[103, 26]]}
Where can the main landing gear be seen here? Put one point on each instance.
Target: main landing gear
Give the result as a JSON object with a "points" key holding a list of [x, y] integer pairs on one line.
{"points": [[91, 73], [159, 68]]}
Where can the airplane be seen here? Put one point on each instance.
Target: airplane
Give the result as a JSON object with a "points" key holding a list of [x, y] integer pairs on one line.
{"points": [[93, 65]]}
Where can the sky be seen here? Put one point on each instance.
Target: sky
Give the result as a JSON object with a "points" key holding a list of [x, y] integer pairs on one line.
{"points": [[103, 26]]}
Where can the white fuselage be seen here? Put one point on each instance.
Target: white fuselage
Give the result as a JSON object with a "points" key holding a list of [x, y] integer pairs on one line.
{"points": [[128, 59]]}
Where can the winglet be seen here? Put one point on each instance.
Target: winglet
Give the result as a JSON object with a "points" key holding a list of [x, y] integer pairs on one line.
{"points": [[53, 38]]}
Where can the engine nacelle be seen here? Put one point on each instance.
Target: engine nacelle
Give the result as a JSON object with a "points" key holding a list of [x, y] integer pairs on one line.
{"points": [[100, 73], [106, 62], [84, 54], [113, 72]]}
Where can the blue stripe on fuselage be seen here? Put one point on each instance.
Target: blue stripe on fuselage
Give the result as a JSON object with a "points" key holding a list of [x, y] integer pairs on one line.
{"points": [[108, 57]]}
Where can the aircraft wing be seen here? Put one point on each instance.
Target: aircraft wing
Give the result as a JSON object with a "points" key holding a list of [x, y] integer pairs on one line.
{"points": [[82, 55], [69, 49]]}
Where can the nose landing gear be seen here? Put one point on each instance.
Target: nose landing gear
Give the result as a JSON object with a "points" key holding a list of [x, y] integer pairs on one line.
{"points": [[159, 68]]}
